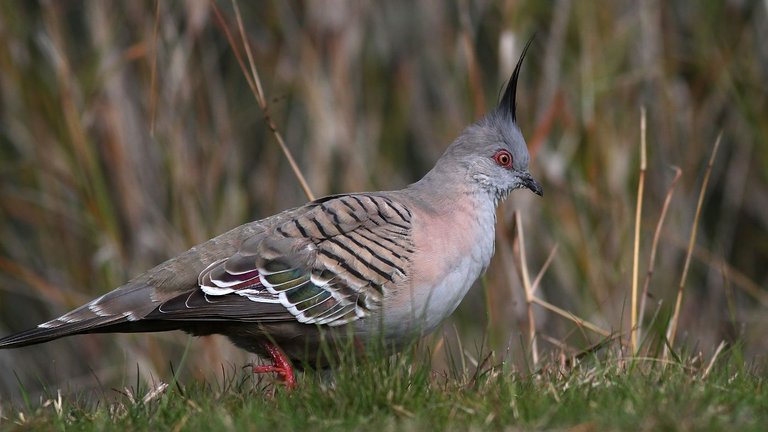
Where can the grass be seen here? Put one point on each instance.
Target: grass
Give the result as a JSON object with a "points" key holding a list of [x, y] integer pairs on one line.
{"points": [[403, 393]]}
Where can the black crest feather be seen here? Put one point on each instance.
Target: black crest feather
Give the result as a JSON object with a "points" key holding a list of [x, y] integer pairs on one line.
{"points": [[507, 103]]}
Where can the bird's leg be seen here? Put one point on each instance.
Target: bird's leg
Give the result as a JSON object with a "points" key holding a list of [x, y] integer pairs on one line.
{"points": [[280, 365]]}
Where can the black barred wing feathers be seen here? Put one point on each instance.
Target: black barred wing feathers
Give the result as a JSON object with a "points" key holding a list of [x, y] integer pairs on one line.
{"points": [[329, 265]]}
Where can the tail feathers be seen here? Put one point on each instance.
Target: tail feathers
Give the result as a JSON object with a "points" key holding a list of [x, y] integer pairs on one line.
{"points": [[96, 325], [116, 311], [44, 334]]}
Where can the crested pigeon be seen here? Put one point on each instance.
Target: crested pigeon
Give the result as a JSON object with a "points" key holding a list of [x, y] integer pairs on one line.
{"points": [[388, 265]]}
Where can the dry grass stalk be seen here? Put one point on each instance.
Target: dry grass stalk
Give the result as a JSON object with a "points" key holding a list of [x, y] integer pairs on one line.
{"points": [[473, 67], [654, 248], [460, 350], [254, 82], [153, 74], [529, 298], [713, 360], [544, 268], [636, 252], [559, 344], [672, 328], [438, 346], [41, 287], [738, 278], [262, 101], [568, 315], [154, 392]]}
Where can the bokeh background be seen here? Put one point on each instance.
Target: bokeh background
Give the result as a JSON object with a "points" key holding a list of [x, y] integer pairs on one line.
{"points": [[128, 133]]}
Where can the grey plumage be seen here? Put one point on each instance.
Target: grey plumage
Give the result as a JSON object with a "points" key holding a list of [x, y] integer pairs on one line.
{"points": [[385, 263]]}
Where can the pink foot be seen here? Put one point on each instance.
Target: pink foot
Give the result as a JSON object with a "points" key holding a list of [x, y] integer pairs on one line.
{"points": [[280, 365]]}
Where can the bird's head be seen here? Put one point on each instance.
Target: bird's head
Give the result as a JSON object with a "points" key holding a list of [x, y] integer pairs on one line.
{"points": [[492, 152]]}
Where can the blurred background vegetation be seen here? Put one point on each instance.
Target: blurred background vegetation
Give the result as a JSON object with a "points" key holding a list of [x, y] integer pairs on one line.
{"points": [[128, 133]]}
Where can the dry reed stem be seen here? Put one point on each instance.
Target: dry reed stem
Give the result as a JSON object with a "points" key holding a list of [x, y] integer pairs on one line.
{"points": [[568, 315], [44, 289], [460, 350], [529, 298], [633, 328], [713, 360], [256, 88], [544, 268], [233, 44], [660, 361], [532, 299], [654, 247], [473, 68], [562, 346], [262, 101], [738, 278], [153, 74], [438, 346], [672, 329]]}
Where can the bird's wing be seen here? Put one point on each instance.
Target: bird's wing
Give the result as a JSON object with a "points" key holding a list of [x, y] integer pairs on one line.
{"points": [[330, 264]]}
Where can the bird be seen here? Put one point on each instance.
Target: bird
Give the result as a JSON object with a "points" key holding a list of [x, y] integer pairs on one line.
{"points": [[385, 266]]}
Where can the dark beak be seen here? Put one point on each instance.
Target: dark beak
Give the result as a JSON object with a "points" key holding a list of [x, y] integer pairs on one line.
{"points": [[532, 184]]}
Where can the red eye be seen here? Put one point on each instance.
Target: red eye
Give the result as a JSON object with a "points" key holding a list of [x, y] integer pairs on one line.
{"points": [[503, 158]]}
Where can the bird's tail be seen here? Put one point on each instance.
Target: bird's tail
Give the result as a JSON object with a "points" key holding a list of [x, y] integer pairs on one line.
{"points": [[41, 333], [119, 311]]}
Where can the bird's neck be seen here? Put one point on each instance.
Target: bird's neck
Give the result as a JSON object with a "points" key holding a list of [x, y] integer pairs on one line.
{"points": [[447, 187], [462, 204]]}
